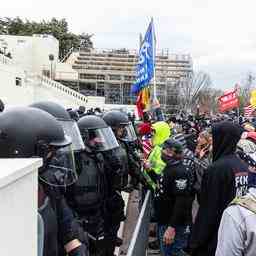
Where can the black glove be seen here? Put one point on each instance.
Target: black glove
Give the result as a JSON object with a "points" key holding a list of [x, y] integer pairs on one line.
{"points": [[79, 251]]}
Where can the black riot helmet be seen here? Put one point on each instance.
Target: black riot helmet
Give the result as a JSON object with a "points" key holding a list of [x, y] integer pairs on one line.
{"points": [[96, 134], [73, 114], [62, 115], [121, 125], [28, 132]]}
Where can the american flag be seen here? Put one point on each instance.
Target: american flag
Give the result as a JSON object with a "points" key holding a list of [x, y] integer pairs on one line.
{"points": [[248, 111], [147, 146]]}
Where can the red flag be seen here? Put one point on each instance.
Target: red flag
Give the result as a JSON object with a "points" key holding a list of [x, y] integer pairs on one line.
{"points": [[228, 101]]}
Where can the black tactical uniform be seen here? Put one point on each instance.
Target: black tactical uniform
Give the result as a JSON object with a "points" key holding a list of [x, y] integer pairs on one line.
{"points": [[127, 139], [42, 136], [129, 164], [89, 195]]}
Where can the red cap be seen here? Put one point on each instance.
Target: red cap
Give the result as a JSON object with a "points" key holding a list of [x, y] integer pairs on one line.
{"points": [[144, 128]]}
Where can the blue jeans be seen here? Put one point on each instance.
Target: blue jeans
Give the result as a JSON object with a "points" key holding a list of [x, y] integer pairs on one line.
{"points": [[180, 241]]}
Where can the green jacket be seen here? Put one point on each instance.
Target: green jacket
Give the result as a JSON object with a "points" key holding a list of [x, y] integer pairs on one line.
{"points": [[162, 133], [157, 164]]}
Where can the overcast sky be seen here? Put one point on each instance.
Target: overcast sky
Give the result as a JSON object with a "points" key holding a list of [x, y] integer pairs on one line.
{"points": [[220, 35]]}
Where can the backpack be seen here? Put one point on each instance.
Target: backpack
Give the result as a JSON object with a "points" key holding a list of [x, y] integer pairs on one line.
{"points": [[246, 202]]}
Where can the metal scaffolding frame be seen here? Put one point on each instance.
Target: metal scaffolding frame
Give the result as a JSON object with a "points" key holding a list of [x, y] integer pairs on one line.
{"points": [[111, 73]]}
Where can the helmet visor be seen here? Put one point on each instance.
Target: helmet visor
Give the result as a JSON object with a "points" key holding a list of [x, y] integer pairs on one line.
{"points": [[71, 129], [59, 167], [101, 139], [128, 133]]}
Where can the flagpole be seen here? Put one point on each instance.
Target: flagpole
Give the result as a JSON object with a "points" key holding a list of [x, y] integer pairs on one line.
{"points": [[154, 57]]}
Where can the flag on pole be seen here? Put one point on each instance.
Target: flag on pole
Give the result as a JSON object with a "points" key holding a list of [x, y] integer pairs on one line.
{"points": [[146, 63], [248, 111], [143, 101]]}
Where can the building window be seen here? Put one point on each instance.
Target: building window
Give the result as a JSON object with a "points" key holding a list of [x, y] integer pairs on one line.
{"points": [[114, 77], [18, 81]]}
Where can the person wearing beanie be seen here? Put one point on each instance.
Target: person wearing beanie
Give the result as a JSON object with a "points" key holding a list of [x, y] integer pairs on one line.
{"points": [[237, 231], [173, 201]]}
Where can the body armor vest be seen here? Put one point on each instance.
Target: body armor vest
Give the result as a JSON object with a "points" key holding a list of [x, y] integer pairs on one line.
{"points": [[119, 178], [86, 196]]}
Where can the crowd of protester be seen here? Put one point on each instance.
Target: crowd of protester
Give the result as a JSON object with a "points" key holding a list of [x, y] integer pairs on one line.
{"points": [[204, 172], [201, 171]]}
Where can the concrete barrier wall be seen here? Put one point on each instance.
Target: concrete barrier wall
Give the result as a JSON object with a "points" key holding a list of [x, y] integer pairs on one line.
{"points": [[18, 200]]}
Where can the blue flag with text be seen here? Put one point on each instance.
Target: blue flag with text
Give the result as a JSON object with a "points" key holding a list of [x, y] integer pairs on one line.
{"points": [[146, 60]]}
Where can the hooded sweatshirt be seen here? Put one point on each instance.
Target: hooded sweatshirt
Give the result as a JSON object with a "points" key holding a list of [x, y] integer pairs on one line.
{"points": [[224, 179], [237, 232], [162, 133]]}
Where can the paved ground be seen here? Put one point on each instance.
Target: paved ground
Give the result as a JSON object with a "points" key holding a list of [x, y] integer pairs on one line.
{"points": [[132, 214], [130, 223]]}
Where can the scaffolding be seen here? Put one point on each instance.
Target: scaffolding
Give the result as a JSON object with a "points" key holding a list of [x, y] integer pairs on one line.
{"points": [[111, 73]]}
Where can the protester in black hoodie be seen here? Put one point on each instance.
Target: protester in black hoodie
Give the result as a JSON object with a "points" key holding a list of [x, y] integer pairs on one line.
{"points": [[224, 179]]}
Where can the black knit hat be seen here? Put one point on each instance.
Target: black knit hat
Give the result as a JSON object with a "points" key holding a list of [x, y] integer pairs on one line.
{"points": [[173, 144]]}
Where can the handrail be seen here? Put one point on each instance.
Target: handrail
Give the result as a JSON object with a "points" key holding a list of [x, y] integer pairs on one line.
{"points": [[159, 53], [64, 89], [5, 60], [67, 54]]}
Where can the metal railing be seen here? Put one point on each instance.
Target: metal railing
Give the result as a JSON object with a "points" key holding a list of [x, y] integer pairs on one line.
{"points": [[45, 81], [67, 54], [5, 60], [139, 241]]}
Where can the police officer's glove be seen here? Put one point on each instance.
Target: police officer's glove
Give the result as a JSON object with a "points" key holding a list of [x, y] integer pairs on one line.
{"points": [[79, 251]]}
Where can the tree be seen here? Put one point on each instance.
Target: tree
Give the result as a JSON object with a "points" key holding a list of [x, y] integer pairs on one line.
{"points": [[208, 99], [245, 89], [55, 27], [190, 90]]}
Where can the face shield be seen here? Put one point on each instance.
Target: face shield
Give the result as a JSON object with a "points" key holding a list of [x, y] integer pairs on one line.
{"points": [[71, 130], [101, 139], [59, 167], [127, 133]]}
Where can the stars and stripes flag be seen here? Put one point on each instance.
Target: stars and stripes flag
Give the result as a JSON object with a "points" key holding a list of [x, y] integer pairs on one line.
{"points": [[147, 146], [248, 111]]}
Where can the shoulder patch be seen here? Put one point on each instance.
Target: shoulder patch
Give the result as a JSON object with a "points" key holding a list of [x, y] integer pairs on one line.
{"points": [[181, 184]]}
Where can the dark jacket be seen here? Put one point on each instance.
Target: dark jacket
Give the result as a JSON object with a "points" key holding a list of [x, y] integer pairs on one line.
{"points": [[174, 197], [225, 178]]}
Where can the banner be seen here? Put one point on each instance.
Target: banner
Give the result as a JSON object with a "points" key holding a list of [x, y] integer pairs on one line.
{"points": [[228, 101], [146, 63]]}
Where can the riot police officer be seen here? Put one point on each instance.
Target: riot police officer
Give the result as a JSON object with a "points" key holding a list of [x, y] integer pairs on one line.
{"points": [[68, 123], [127, 138], [87, 196], [125, 160], [71, 129], [28, 132]]}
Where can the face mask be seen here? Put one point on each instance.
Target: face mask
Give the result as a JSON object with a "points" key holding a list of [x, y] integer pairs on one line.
{"points": [[166, 158]]}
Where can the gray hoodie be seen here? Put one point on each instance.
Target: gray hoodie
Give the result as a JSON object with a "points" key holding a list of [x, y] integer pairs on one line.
{"points": [[237, 231]]}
